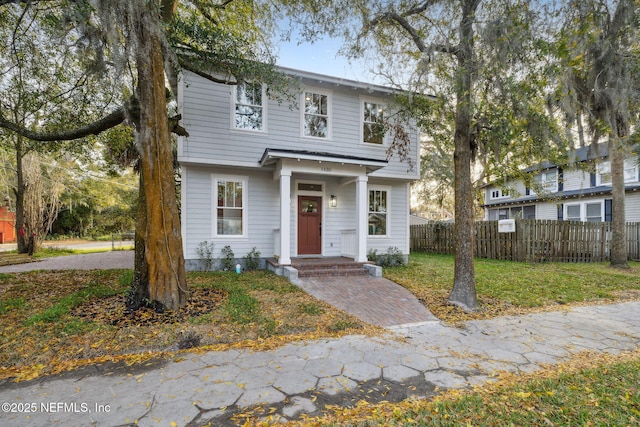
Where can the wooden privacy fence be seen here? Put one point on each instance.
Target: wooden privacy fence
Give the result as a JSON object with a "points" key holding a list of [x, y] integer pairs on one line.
{"points": [[532, 240]]}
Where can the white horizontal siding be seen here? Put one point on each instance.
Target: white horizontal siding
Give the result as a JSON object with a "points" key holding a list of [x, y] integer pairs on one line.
{"points": [[207, 117], [632, 207], [576, 180], [546, 210], [262, 212]]}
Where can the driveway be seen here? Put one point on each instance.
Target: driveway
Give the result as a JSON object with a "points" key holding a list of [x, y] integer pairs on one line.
{"points": [[97, 261]]}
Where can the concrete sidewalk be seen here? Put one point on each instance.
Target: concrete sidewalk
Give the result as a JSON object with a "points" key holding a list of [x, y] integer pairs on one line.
{"points": [[300, 378]]}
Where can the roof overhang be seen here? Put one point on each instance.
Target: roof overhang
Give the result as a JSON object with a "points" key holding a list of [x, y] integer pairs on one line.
{"points": [[271, 156]]}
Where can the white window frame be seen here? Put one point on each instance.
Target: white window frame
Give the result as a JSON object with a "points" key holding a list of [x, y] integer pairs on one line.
{"points": [[386, 189], [583, 210], [630, 165], [215, 179], [379, 103], [541, 181], [234, 103], [303, 114], [496, 193]]}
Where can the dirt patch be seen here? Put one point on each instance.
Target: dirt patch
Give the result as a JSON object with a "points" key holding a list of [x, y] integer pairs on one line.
{"points": [[112, 310]]}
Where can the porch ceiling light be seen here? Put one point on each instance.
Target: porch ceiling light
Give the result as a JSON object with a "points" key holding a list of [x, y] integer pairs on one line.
{"points": [[333, 201]]}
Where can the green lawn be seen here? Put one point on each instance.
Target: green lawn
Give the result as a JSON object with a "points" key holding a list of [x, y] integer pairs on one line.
{"points": [[506, 287]]}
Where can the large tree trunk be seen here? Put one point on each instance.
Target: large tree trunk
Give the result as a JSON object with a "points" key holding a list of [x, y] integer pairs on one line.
{"points": [[163, 256], [463, 293], [139, 293], [618, 256]]}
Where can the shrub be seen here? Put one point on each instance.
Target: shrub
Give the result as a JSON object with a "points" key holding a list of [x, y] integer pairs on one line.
{"points": [[227, 259], [393, 257], [252, 260], [205, 252]]}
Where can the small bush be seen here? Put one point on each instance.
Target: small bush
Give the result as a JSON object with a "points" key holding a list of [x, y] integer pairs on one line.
{"points": [[205, 253], [392, 258], [252, 260], [227, 259]]}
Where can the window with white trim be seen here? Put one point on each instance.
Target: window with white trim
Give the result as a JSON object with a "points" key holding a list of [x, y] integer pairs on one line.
{"points": [[603, 172], [497, 193], [316, 119], [249, 106], [592, 211], [378, 212], [373, 123], [546, 181], [230, 199], [515, 212]]}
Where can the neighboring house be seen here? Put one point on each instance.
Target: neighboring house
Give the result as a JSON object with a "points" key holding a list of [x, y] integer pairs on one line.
{"points": [[308, 180], [581, 192], [7, 225]]}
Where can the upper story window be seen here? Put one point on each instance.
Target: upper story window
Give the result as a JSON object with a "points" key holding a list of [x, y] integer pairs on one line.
{"points": [[373, 123], [316, 119], [249, 107], [603, 172], [230, 195], [546, 181], [497, 193]]}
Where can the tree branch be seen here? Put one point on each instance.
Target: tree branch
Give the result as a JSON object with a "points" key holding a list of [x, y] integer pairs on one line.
{"points": [[402, 21], [107, 122], [189, 66]]}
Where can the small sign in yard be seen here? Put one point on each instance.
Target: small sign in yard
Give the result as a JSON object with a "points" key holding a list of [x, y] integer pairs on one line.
{"points": [[507, 226]]}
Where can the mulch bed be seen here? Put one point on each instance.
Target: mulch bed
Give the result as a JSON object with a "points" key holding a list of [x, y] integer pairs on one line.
{"points": [[113, 311]]}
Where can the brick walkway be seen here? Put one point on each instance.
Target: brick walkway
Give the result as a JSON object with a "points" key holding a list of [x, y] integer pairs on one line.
{"points": [[374, 300]]}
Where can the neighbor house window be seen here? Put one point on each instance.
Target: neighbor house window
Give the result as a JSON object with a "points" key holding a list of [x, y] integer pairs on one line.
{"points": [[516, 212], [585, 211], [378, 213], [230, 206], [316, 115], [546, 181], [497, 193], [373, 123], [249, 108], [603, 172]]}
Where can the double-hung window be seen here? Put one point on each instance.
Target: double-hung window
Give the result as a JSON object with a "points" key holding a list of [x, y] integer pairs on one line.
{"points": [[373, 123], [378, 212], [546, 181], [603, 172], [316, 115], [249, 107], [230, 196]]}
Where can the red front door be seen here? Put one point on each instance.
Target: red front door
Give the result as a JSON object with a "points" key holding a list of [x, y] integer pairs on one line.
{"points": [[309, 225]]}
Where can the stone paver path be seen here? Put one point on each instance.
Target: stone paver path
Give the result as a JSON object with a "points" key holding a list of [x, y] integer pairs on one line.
{"points": [[375, 300], [298, 378]]}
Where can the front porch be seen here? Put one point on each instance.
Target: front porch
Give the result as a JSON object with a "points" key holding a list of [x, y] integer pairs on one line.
{"points": [[303, 267], [323, 205]]}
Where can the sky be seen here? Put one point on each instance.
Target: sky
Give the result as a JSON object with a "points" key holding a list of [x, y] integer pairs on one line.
{"points": [[322, 58]]}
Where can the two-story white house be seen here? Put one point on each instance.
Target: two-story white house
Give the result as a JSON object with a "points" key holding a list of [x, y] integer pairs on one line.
{"points": [[305, 180], [581, 192]]}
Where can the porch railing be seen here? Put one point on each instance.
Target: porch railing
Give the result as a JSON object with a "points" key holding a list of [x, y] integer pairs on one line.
{"points": [[348, 243]]}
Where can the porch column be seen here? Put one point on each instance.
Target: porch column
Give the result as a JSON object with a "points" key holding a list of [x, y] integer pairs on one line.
{"points": [[285, 218], [361, 219]]}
